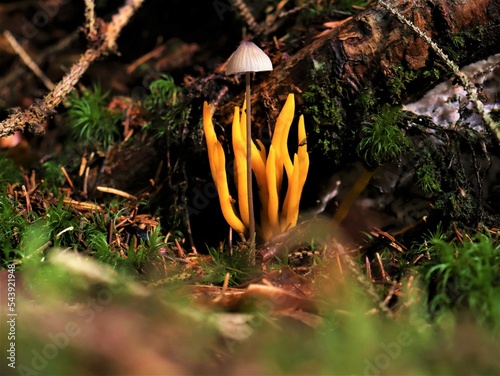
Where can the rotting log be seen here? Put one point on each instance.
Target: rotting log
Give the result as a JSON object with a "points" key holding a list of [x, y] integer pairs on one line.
{"points": [[373, 50]]}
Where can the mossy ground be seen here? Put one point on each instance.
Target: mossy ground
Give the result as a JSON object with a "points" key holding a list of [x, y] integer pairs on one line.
{"points": [[109, 283]]}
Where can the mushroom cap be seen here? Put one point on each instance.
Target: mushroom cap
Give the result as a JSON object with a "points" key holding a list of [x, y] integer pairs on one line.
{"points": [[248, 58]]}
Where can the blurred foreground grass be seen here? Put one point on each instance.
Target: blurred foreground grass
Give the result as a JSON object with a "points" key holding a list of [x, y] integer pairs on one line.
{"points": [[78, 316]]}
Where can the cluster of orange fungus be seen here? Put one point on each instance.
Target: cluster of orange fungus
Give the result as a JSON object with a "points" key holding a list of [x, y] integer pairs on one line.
{"points": [[268, 169]]}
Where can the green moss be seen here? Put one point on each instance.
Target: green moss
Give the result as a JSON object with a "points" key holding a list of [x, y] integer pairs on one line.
{"points": [[458, 41], [91, 122], [180, 138], [325, 110], [237, 263], [428, 181], [463, 275], [161, 92], [52, 176], [456, 49], [462, 42], [141, 255], [12, 227], [169, 115], [366, 101], [432, 73], [382, 140], [428, 174], [9, 172], [458, 206], [398, 80]]}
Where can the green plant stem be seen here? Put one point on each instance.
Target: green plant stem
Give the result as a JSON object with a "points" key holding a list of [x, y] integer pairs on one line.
{"points": [[249, 168]]}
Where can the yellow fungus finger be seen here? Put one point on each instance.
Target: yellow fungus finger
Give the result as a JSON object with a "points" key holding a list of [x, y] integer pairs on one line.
{"points": [[258, 166], [241, 128], [285, 156], [285, 117], [243, 121], [303, 169], [284, 120], [211, 138], [302, 153], [292, 198], [207, 119], [351, 196], [261, 150], [268, 171], [208, 128], [225, 200], [265, 229], [303, 160], [214, 161], [290, 211], [272, 207], [217, 162], [259, 169], [240, 165], [302, 134]]}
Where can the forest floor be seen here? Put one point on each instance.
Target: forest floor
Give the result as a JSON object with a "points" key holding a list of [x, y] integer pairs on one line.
{"points": [[116, 260]]}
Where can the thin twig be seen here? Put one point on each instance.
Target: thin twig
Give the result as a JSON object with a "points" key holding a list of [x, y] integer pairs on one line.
{"points": [[28, 61], [82, 205], [117, 192], [180, 250], [91, 24], [59, 234], [68, 179], [19, 70], [381, 265], [247, 15], [27, 197]]}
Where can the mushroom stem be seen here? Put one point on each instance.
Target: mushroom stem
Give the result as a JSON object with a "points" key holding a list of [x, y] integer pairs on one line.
{"points": [[249, 167]]}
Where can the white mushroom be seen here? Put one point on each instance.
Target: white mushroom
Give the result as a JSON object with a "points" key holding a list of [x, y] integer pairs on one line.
{"points": [[249, 58]]}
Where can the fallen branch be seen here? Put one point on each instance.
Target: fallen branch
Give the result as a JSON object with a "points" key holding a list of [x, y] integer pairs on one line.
{"points": [[100, 44]]}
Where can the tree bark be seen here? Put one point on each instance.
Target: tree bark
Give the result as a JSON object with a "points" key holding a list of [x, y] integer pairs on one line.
{"points": [[374, 51]]}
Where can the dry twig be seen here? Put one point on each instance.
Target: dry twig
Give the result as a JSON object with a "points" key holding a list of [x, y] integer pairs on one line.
{"points": [[91, 22], [117, 192], [247, 15], [19, 70], [26, 58]]}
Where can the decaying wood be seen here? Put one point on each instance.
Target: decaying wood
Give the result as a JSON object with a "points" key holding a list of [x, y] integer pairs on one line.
{"points": [[361, 53]]}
